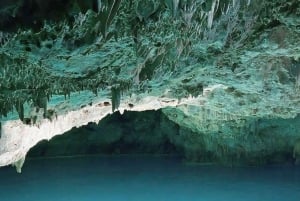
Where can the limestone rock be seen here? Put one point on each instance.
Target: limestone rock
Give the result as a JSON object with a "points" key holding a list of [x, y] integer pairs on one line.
{"points": [[229, 80]]}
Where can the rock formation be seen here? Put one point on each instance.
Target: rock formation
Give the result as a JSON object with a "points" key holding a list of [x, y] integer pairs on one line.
{"points": [[226, 72]]}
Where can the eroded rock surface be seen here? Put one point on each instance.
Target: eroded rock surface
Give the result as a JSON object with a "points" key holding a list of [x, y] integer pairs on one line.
{"points": [[229, 80]]}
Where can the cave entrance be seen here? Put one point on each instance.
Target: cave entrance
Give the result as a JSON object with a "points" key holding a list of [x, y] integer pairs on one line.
{"points": [[148, 132]]}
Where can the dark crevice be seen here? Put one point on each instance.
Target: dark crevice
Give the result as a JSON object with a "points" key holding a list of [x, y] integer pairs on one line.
{"points": [[130, 133], [151, 132]]}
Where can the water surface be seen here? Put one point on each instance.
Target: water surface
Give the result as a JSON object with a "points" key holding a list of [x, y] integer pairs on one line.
{"points": [[145, 178]]}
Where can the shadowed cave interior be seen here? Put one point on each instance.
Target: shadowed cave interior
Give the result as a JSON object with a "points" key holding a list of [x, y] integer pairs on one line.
{"points": [[131, 133], [151, 132]]}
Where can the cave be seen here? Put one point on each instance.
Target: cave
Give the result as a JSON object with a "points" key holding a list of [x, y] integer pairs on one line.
{"points": [[130, 133], [136, 155], [153, 133], [149, 100]]}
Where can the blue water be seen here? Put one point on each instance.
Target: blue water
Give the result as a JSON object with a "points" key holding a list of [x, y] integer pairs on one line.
{"points": [[141, 178]]}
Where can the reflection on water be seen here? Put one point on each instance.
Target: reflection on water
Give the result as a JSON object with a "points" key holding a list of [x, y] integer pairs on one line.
{"points": [[142, 178]]}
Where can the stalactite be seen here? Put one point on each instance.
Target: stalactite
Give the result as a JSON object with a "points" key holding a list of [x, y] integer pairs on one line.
{"points": [[115, 97], [20, 109]]}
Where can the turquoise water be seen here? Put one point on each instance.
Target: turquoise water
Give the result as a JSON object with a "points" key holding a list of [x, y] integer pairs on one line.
{"points": [[141, 178]]}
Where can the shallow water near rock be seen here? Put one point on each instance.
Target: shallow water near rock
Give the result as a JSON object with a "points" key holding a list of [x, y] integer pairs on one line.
{"points": [[143, 178]]}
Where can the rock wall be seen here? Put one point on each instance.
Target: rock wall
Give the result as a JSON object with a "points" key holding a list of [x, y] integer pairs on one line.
{"points": [[33, 13], [230, 80], [248, 142]]}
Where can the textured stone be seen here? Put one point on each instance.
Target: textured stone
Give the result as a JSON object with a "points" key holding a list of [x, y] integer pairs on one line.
{"points": [[231, 91]]}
